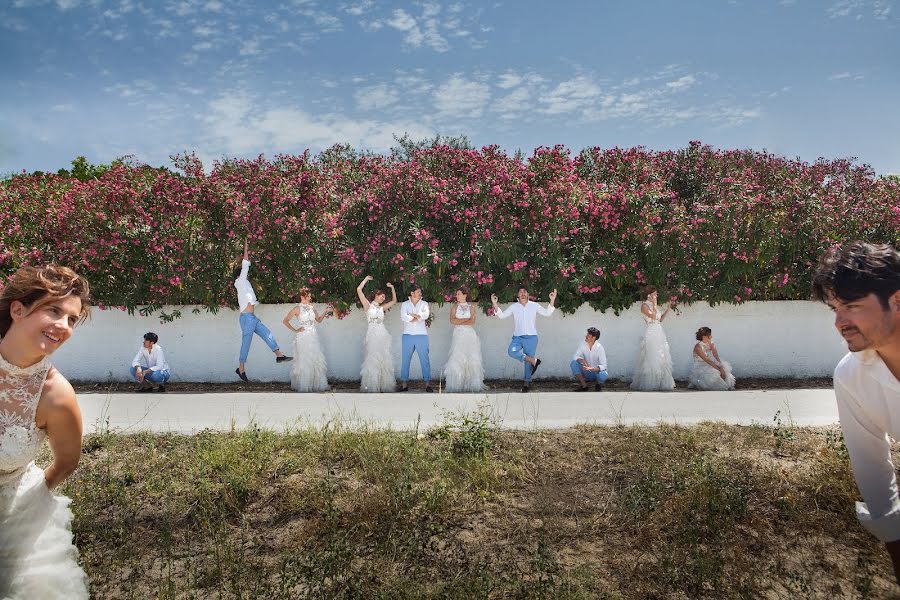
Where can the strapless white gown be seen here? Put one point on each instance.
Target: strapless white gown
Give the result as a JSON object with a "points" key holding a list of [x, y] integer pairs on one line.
{"points": [[464, 371], [377, 372]]}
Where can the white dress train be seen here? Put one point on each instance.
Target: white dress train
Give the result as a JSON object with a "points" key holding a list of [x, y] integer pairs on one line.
{"points": [[37, 556], [309, 372], [653, 369], [464, 371], [704, 377], [377, 372]]}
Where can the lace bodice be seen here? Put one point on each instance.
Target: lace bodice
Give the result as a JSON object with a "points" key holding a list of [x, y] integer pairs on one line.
{"points": [[707, 349], [20, 391], [306, 317], [463, 311], [647, 319], [375, 314]]}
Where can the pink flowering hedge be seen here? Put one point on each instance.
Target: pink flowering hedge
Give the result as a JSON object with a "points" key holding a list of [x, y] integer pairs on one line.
{"points": [[702, 224]]}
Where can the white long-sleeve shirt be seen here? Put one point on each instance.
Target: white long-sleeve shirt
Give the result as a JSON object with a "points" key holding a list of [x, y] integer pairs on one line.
{"points": [[245, 292], [594, 356], [868, 399], [154, 360], [525, 316], [407, 310]]}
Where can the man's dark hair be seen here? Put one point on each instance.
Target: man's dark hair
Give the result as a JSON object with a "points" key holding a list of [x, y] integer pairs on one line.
{"points": [[520, 288], [413, 288], [151, 337], [593, 331], [857, 269]]}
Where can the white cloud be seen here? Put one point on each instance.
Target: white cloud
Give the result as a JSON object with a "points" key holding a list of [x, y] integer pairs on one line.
{"points": [[67, 4], [249, 48], [204, 30], [63, 108], [509, 80], [514, 104], [846, 75], [682, 82], [376, 96], [461, 97], [358, 9], [574, 94], [235, 127], [201, 46], [213, 6]]}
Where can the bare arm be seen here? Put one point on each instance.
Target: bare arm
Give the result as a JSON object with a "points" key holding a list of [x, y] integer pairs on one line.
{"points": [[287, 320], [359, 292], [698, 350], [246, 250], [58, 414], [715, 352], [393, 301], [453, 319], [648, 312], [666, 312], [320, 318]]}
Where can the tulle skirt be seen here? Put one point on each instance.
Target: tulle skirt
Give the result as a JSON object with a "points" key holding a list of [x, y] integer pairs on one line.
{"points": [[653, 370], [704, 377], [309, 372], [464, 371], [377, 373], [37, 556]]}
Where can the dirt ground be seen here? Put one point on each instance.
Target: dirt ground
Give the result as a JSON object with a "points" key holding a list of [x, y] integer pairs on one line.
{"points": [[494, 386]]}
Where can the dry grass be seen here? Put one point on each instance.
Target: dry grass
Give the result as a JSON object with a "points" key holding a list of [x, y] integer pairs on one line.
{"points": [[468, 511]]}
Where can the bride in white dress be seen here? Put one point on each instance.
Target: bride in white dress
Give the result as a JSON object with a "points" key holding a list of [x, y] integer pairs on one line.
{"points": [[464, 371], [653, 369], [309, 372], [377, 372], [39, 307], [708, 371]]}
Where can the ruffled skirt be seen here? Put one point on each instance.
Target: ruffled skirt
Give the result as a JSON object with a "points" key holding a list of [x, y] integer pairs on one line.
{"points": [[309, 372], [704, 377], [464, 371], [653, 369], [377, 372], [37, 556]]}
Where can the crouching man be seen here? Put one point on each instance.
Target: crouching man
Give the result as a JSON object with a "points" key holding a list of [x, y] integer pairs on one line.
{"points": [[149, 366], [589, 362]]}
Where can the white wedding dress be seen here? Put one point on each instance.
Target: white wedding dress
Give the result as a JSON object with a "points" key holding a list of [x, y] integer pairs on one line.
{"points": [[37, 556], [653, 369], [704, 377], [309, 373], [464, 371], [377, 373]]}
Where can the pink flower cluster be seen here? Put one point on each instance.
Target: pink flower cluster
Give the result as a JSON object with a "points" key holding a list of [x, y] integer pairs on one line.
{"points": [[721, 226]]}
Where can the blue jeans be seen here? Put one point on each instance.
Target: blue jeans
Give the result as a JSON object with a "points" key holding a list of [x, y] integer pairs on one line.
{"points": [[522, 346], [577, 369], [157, 377], [419, 345], [250, 324]]}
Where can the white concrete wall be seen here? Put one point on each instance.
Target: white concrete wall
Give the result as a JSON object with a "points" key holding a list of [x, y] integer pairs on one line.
{"points": [[760, 339]]}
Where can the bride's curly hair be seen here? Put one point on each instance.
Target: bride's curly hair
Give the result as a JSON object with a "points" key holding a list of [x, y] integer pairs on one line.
{"points": [[35, 286]]}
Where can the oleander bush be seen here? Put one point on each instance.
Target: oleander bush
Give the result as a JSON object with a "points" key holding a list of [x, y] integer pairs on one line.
{"points": [[700, 223]]}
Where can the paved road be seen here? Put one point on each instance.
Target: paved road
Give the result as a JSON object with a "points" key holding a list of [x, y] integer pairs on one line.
{"points": [[187, 413]]}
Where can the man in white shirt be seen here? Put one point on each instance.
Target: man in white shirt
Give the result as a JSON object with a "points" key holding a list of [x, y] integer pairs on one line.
{"points": [[149, 366], [414, 313], [861, 284], [525, 339], [589, 362], [250, 323]]}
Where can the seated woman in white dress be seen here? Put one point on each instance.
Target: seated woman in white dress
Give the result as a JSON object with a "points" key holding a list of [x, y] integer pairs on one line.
{"points": [[39, 307], [653, 369], [708, 371], [310, 372], [377, 372], [464, 371]]}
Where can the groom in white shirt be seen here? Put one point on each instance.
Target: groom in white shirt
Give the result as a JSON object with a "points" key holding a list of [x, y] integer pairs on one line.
{"points": [[414, 314], [149, 365], [525, 339], [589, 362], [861, 284]]}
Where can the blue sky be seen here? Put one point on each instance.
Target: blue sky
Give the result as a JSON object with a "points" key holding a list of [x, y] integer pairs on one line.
{"points": [[150, 78]]}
